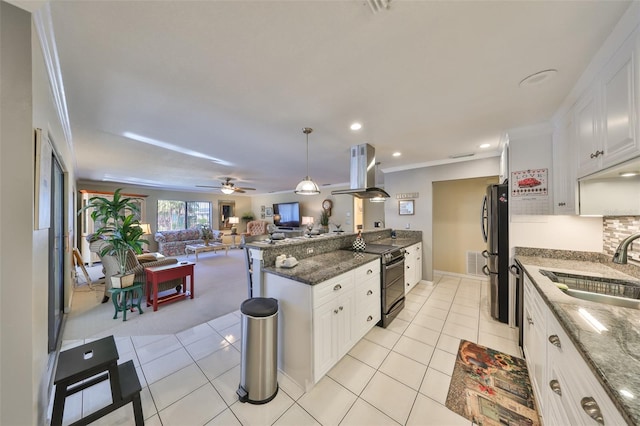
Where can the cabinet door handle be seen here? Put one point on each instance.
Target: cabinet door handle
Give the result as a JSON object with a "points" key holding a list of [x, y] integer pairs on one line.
{"points": [[369, 272], [369, 293], [591, 407], [337, 287], [529, 320], [407, 266], [562, 204], [341, 308], [369, 318], [335, 311], [597, 154], [555, 386], [555, 340]]}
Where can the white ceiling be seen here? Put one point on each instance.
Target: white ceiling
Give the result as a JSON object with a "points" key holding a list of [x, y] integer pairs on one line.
{"points": [[237, 81]]}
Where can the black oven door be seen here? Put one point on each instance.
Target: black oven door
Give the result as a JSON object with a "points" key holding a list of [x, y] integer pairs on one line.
{"points": [[393, 284]]}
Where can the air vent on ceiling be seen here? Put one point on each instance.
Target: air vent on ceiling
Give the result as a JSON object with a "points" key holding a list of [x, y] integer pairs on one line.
{"points": [[378, 5], [466, 154]]}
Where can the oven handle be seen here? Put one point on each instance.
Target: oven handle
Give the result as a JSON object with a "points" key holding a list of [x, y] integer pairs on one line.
{"points": [[394, 264]]}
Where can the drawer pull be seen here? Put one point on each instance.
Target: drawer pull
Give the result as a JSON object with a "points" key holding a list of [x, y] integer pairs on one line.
{"points": [[337, 287], [555, 387], [591, 407], [341, 308], [335, 311], [555, 340], [369, 293], [369, 318], [369, 272]]}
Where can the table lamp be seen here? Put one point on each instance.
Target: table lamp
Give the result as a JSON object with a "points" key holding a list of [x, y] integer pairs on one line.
{"points": [[308, 221], [233, 220]]}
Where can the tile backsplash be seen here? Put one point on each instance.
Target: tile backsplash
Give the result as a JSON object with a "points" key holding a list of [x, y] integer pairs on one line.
{"points": [[617, 228]]}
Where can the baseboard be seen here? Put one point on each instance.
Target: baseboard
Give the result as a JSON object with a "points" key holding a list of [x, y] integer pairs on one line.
{"points": [[455, 274]]}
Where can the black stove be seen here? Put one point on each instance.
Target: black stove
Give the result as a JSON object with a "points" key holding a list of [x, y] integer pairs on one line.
{"points": [[388, 253]]}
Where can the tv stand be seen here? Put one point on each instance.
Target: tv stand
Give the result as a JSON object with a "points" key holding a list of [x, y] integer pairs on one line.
{"points": [[286, 228]]}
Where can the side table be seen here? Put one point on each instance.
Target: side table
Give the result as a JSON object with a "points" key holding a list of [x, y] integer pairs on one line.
{"points": [[85, 361], [158, 274], [132, 292]]}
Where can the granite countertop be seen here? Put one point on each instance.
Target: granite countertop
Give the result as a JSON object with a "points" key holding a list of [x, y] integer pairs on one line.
{"points": [[614, 354], [319, 268]]}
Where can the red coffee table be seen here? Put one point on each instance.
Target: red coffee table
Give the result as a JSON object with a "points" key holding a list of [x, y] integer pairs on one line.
{"points": [[158, 274]]}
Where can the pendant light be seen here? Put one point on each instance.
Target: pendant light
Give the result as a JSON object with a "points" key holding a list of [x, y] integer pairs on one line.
{"points": [[307, 186]]}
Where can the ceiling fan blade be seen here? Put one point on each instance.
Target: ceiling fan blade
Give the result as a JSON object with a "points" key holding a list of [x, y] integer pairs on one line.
{"points": [[245, 189], [239, 190], [207, 186]]}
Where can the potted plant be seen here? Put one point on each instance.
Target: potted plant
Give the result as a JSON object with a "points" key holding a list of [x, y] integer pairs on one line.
{"points": [[117, 224], [206, 232], [247, 217], [324, 220]]}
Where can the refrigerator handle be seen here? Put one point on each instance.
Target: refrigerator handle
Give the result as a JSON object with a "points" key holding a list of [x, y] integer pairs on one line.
{"points": [[484, 219], [485, 270], [514, 270]]}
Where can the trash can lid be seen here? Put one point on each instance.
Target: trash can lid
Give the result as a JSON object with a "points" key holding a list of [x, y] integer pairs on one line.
{"points": [[259, 306]]}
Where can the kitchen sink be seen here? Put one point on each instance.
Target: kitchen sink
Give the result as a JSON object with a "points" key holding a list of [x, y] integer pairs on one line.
{"points": [[612, 291]]}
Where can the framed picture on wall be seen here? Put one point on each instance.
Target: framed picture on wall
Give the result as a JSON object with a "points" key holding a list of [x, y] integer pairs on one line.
{"points": [[268, 212], [405, 207]]}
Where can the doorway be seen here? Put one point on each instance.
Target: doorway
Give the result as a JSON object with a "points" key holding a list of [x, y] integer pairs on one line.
{"points": [[456, 222]]}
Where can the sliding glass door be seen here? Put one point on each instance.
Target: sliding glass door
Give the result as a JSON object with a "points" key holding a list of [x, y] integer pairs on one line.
{"points": [[56, 255]]}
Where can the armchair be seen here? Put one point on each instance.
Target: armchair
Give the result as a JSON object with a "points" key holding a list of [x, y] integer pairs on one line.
{"points": [[135, 265], [254, 228]]}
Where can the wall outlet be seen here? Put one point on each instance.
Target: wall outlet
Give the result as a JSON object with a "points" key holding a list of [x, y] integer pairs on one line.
{"points": [[309, 250], [407, 226]]}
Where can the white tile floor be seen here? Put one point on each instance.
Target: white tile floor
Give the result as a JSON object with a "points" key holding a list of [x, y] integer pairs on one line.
{"points": [[398, 375]]}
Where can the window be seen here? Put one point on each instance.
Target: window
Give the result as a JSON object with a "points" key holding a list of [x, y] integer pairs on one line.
{"points": [[174, 215]]}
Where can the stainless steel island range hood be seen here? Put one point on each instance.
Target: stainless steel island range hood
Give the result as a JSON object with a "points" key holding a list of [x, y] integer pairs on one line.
{"points": [[363, 174]]}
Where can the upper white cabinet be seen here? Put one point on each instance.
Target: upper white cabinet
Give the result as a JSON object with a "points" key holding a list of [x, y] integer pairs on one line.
{"points": [[564, 167], [606, 115]]}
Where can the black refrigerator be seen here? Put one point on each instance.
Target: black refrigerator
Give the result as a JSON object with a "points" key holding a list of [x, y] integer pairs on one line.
{"points": [[495, 231]]}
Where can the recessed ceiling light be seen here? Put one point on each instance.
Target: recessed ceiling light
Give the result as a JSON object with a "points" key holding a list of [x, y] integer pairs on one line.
{"points": [[356, 126], [629, 174], [397, 154], [538, 77], [485, 145]]}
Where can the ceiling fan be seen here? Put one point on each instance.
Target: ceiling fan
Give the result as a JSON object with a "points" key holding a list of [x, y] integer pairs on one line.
{"points": [[227, 187]]}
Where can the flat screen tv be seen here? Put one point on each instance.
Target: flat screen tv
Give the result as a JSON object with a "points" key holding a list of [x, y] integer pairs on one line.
{"points": [[286, 215]]}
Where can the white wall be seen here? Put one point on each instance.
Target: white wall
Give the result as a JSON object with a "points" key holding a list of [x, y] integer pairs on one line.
{"points": [[420, 180], [556, 232], [21, 347]]}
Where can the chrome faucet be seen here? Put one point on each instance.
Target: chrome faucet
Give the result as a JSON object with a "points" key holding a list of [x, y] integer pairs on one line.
{"points": [[621, 252]]}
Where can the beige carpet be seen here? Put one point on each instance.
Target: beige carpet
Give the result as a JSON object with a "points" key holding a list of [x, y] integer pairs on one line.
{"points": [[220, 288]]}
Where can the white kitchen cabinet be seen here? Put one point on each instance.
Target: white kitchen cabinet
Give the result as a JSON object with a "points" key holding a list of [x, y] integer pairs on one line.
{"points": [[412, 266], [367, 311], [533, 343], [564, 167], [318, 324], [332, 322], [606, 115], [569, 373], [560, 377]]}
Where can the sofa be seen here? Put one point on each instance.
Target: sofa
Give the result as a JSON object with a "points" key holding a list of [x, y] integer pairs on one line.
{"points": [[172, 243]]}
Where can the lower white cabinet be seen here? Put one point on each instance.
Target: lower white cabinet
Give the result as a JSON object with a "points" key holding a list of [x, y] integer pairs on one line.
{"points": [[318, 324], [567, 392], [412, 266]]}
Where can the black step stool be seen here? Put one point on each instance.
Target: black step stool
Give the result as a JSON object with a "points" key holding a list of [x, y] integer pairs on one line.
{"points": [[88, 361]]}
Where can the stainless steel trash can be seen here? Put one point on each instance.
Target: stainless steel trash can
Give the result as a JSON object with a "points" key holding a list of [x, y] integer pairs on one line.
{"points": [[259, 359]]}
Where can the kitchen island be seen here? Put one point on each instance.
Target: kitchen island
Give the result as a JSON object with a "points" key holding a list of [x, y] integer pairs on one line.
{"points": [[611, 355], [328, 301]]}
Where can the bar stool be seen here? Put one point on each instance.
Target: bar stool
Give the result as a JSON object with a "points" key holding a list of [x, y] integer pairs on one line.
{"points": [[132, 292], [83, 362]]}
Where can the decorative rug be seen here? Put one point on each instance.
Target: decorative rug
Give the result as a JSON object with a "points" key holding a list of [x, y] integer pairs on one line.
{"points": [[491, 388]]}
